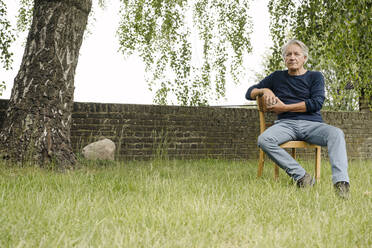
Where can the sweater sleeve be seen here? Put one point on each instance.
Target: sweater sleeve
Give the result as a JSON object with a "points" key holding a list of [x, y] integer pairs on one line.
{"points": [[317, 95], [265, 83]]}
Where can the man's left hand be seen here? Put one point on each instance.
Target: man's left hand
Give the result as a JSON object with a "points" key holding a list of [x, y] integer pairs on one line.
{"points": [[278, 107]]}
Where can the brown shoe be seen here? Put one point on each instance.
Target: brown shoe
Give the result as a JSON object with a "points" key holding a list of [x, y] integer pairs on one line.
{"points": [[306, 181]]}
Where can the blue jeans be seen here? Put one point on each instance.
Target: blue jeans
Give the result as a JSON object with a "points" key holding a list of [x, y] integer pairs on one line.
{"points": [[313, 132]]}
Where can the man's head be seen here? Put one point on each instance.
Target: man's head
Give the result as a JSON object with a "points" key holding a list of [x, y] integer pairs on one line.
{"points": [[295, 54]]}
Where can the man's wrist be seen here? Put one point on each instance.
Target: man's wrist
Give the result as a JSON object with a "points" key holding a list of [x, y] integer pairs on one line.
{"points": [[256, 92], [261, 92], [285, 107]]}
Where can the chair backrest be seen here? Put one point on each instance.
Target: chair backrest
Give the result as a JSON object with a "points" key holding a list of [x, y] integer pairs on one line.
{"points": [[261, 112]]}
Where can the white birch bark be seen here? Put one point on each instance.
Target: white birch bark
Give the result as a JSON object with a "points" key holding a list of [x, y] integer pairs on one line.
{"points": [[38, 119]]}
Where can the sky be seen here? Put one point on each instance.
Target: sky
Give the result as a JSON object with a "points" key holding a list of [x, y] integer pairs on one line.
{"points": [[103, 75]]}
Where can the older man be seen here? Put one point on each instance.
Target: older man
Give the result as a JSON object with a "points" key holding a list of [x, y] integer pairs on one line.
{"points": [[297, 95]]}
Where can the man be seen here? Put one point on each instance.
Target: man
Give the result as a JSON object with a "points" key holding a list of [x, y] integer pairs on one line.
{"points": [[297, 95]]}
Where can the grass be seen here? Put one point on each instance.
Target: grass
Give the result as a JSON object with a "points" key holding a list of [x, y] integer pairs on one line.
{"points": [[207, 203]]}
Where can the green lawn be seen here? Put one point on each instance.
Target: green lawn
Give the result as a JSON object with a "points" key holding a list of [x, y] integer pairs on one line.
{"points": [[208, 203]]}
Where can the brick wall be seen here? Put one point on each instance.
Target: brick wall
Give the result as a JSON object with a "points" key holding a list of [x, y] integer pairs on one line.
{"points": [[147, 131]]}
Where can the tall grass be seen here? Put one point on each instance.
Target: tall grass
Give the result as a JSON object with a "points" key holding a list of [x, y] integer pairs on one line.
{"points": [[206, 203]]}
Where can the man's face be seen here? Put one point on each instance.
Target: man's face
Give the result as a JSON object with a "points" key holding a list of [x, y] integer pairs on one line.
{"points": [[294, 57]]}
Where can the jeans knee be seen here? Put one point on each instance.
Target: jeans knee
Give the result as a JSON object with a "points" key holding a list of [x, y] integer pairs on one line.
{"points": [[337, 133], [264, 141], [260, 141]]}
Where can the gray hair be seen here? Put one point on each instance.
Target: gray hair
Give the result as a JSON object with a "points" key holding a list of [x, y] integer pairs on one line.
{"points": [[304, 48]]}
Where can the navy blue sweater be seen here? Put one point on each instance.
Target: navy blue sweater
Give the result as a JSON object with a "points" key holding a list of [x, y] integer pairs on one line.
{"points": [[308, 87]]}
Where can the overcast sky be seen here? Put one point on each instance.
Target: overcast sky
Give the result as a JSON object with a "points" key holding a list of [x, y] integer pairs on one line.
{"points": [[102, 74]]}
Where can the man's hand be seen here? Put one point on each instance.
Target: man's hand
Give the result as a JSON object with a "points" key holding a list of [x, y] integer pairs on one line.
{"points": [[278, 107], [269, 97]]}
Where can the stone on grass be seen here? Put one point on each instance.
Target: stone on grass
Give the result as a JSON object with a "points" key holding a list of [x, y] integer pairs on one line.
{"points": [[103, 149]]}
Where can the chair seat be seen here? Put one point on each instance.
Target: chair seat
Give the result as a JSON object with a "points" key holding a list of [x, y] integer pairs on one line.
{"points": [[298, 144]]}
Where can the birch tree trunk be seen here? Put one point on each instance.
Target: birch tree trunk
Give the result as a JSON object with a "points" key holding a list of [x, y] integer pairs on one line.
{"points": [[38, 119]]}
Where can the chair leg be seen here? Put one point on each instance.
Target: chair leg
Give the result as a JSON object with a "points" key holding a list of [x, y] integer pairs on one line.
{"points": [[261, 163], [276, 171], [317, 163], [294, 153]]}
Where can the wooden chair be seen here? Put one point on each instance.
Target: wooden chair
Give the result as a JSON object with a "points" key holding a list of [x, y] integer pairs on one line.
{"points": [[290, 144]]}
